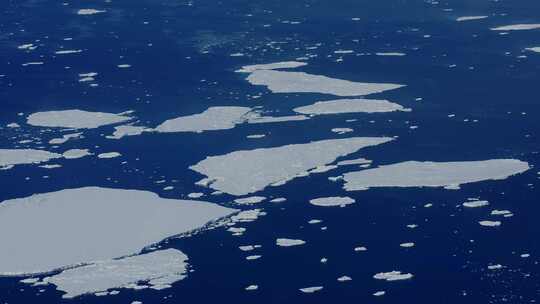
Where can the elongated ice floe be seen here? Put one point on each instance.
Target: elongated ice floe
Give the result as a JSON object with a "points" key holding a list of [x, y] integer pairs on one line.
{"points": [[534, 49], [299, 82], [433, 174], [89, 11], [121, 131], [12, 157], [214, 118], [256, 118], [470, 18], [271, 66], [517, 27], [159, 268], [332, 201], [84, 225], [393, 276], [284, 242], [76, 119], [247, 171], [350, 106], [475, 204], [64, 138], [311, 289]]}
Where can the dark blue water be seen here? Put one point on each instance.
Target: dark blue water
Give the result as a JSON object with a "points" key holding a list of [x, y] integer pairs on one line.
{"points": [[181, 66]]}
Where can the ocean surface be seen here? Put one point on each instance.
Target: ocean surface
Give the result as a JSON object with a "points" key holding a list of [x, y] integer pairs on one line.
{"points": [[473, 95]]}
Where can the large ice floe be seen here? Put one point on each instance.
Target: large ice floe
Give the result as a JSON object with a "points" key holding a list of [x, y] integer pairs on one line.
{"points": [[66, 228], [517, 27], [350, 106], [12, 157], [158, 270], [214, 118], [433, 174], [76, 119], [247, 171], [271, 66], [300, 82]]}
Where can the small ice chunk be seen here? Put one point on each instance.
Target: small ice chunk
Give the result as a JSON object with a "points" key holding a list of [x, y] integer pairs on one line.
{"points": [[64, 138], [214, 118], [89, 11], [489, 223], [407, 245], [332, 201], [393, 276], [379, 293], [109, 155], [283, 242], [475, 204], [250, 200], [121, 131], [76, 153], [344, 279], [470, 18], [311, 289], [495, 267], [517, 27], [252, 287], [340, 106]]}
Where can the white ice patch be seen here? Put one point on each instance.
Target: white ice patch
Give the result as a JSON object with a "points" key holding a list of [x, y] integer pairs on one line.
{"points": [[490, 223], [390, 54], [159, 269], [283, 242], [76, 119], [332, 201], [12, 157], [393, 276], [256, 118], [311, 289], [271, 66], [109, 155], [121, 131], [67, 52], [517, 27], [243, 172], [84, 225], [340, 106], [64, 138], [89, 11], [470, 18], [475, 204], [214, 118], [250, 200], [299, 82], [76, 153], [433, 174], [534, 49]]}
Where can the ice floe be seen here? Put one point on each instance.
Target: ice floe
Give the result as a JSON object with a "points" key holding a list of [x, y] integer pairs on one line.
{"points": [[76, 153], [299, 82], [89, 11], [490, 223], [64, 138], [74, 226], [393, 276], [350, 106], [332, 201], [517, 27], [250, 200], [247, 171], [12, 157], [214, 118], [76, 119], [271, 66], [534, 49], [109, 155], [159, 269], [311, 289], [121, 131], [470, 18], [433, 174], [475, 204], [283, 242]]}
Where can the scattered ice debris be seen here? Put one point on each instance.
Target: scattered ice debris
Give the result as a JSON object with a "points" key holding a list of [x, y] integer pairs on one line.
{"points": [[253, 257], [475, 204], [89, 11], [495, 267], [76, 153], [214, 118], [28, 46], [109, 155], [407, 245], [299, 82], [50, 166], [282, 242], [390, 54], [252, 287], [379, 293], [75, 119], [121, 131], [33, 63], [278, 200], [75, 226], [237, 231], [332, 201], [311, 289], [159, 269], [470, 18], [64, 138], [13, 125], [433, 174], [249, 247], [339, 106], [271, 66], [195, 195], [247, 216], [517, 27], [250, 200], [490, 223], [393, 276], [344, 279], [244, 172], [12, 157]]}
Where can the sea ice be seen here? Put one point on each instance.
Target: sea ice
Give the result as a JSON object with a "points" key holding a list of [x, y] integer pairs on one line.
{"points": [[214, 118], [76, 119], [350, 106]]}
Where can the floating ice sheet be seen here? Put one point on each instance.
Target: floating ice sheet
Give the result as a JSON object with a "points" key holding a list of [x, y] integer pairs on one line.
{"points": [[214, 118], [517, 27], [534, 49], [12, 157], [247, 171], [271, 66], [433, 174], [76, 119], [299, 82], [84, 225], [159, 269], [332, 201], [350, 106], [470, 18]]}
